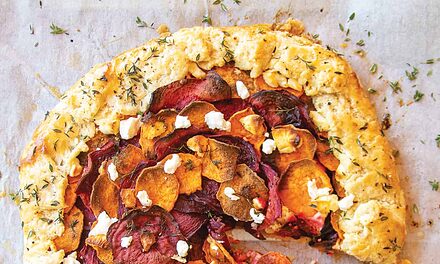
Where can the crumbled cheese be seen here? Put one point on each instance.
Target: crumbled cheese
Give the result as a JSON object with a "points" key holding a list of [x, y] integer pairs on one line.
{"points": [[242, 90], [112, 172], [230, 193], [143, 198], [182, 122], [126, 241], [346, 202], [266, 134], [172, 164], [216, 120], [182, 248], [256, 216], [101, 227], [71, 259], [129, 128], [268, 146], [315, 192]]}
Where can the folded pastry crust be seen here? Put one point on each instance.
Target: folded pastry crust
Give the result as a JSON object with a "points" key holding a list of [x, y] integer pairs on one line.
{"points": [[371, 230]]}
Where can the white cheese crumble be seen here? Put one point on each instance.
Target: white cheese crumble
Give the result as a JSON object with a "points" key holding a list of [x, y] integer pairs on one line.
{"points": [[266, 134], [112, 172], [71, 259], [129, 128], [256, 216], [172, 164], [268, 146], [346, 202], [315, 192], [230, 193], [182, 251], [216, 120], [143, 198], [182, 122], [101, 227], [242, 90], [126, 241]]}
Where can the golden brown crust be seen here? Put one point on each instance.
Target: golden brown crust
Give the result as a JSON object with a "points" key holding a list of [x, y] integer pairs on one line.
{"points": [[373, 229]]}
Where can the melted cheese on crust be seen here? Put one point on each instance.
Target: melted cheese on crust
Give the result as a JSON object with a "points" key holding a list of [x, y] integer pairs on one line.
{"points": [[123, 87]]}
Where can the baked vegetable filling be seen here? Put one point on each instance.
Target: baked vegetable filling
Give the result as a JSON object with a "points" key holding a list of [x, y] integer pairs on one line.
{"points": [[210, 155]]}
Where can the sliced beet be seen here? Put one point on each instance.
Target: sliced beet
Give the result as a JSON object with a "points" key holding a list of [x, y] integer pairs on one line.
{"points": [[230, 107], [154, 230], [175, 142], [217, 227], [180, 93], [280, 108], [189, 223], [274, 207], [327, 238], [248, 155], [88, 255], [90, 172], [202, 201], [129, 181]]}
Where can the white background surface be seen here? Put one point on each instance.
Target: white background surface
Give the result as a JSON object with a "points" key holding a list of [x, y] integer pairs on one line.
{"points": [[402, 32]]}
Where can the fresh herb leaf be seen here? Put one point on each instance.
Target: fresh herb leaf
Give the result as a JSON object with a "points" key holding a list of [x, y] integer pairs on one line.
{"points": [[429, 61], [429, 73], [412, 75], [207, 19], [371, 90], [395, 86], [418, 96], [341, 27], [142, 23], [434, 185], [437, 140], [352, 16], [361, 43], [56, 29], [373, 68]]}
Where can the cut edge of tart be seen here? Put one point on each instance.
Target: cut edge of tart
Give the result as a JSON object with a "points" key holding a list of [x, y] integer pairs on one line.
{"points": [[359, 209]]}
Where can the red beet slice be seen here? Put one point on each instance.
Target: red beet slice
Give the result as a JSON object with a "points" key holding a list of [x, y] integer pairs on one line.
{"points": [[274, 208], [88, 255], [230, 107], [156, 224], [202, 201], [280, 108], [189, 223], [180, 93], [327, 239]]}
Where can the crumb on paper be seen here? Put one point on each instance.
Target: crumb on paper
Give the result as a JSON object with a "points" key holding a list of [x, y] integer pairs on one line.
{"points": [[162, 29], [55, 91]]}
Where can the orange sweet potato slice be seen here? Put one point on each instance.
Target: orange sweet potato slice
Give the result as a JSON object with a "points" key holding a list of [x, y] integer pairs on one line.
{"points": [[261, 84], [326, 157], [293, 190], [249, 126], [215, 252], [196, 112], [103, 196], [102, 247], [128, 158], [273, 258], [293, 144], [162, 188], [70, 238], [128, 198], [157, 126], [219, 159], [231, 75], [247, 186], [70, 197], [189, 173]]}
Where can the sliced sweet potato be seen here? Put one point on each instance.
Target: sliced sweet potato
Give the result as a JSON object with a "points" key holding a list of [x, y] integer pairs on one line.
{"points": [[128, 158], [247, 186], [293, 190], [231, 75], [325, 156], [215, 252], [103, 196], [338, 188], [249, 126], [219, 159], [128, 198], [261, 84], [157, 126], [162, 188], [70, 197], [70, 238], [102, 247], [293, 144], [196, 112], [189, 173], [273, 258]]}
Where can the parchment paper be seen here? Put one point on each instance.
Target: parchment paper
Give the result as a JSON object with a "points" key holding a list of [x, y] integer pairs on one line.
{"points": [[401, 32]]}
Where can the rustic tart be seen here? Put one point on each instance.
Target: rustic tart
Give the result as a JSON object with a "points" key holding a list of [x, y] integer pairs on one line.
{"points": [[154, 156]]}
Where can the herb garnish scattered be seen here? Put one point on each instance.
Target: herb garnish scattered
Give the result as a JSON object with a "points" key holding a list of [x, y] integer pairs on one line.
{"points": [[341, 27], [412, 75], [373, 68], [360, 43], [371, 90], [352, 16], [395, 86], [386, 121], [222, 4], [434, 185], [437, 140], [207, 19], [418, 96], [142, 23], [57, 30]]}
